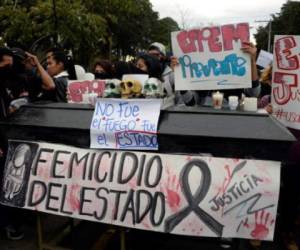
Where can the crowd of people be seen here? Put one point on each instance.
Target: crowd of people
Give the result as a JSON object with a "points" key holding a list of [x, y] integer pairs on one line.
{"points": [[23, 79]]}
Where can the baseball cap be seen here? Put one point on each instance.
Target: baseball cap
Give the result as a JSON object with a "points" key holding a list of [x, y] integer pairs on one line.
{"points": [[19, 53], [158, 46]]}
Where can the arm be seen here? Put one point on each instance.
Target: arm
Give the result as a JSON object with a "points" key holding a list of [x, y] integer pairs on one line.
{"points": [[251, 49], [47, 81]]}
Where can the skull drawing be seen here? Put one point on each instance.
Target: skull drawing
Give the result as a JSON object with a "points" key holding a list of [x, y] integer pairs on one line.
{"points": [[131, 89], [14, 179], [112, 89], [153, 88]]}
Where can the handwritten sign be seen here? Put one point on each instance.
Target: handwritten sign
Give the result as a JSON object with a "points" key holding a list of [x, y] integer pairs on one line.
{"points": [[210, 58], [264, 59], [125, 124], [285, 80], [179, 194], [78, 90]]}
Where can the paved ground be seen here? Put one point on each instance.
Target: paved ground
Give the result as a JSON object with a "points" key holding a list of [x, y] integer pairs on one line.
{"points": [[96, 236]]}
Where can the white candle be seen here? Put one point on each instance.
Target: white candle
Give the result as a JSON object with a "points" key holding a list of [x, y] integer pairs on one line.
{"points": [[250, 104], [217, 100], [233, 102]]}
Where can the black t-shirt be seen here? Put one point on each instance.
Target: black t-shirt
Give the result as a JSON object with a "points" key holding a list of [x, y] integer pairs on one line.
{"points": [[59, 94], [266, 89]]}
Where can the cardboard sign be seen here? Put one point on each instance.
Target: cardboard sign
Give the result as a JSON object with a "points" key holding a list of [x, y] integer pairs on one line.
{"points": [[210, 58], [78, 90], [125, 124], [285, 80], [178, 194], [264, 59]]}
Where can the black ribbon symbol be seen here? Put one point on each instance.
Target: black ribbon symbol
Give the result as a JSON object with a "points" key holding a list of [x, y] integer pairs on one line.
{"points": [[194, 200]]}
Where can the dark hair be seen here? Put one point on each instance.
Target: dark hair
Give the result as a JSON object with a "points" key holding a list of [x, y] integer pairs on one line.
{"points": [[153, 65], [121, 68], [54, 50], [105, 64], [60, 57], [107, 67], [5, 52]]}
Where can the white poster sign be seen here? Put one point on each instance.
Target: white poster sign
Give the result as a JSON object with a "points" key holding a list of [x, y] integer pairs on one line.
{"points": [[285, 80], [264, 59], [211, 58], [125, 124], [178, 194]]}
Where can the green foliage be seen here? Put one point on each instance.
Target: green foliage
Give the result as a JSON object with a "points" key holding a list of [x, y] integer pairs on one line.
{"points": [[284, 23], [88, 28], [76, 28], [164, 26], [130, 24]]}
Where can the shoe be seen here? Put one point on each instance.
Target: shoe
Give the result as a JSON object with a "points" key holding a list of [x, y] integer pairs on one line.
{"points": [[13, 233]]}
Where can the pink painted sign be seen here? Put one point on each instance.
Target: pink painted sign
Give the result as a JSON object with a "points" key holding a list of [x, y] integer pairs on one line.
{"points": [[285, 81], [78, 90], [211, 58], [180, 194]]}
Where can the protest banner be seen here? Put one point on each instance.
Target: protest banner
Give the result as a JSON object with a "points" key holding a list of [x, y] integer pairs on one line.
{"points": [[178, 194], [285, 97], [264, 59], [78, 90], [125, 124], [211, 58]]}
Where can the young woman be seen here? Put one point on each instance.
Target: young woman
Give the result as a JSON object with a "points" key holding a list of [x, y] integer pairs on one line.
{"points": [[55, 78], [103, 69], [149, 65]]}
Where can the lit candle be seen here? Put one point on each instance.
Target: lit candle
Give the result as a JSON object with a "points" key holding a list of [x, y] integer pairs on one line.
{"points": [[217, 100]]}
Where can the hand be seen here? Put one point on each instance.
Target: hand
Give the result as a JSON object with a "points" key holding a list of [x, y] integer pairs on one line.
{"points": [[269, 108], [24, 94], [32, 59], [11, 110], [250, 48], [174, 62]]}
